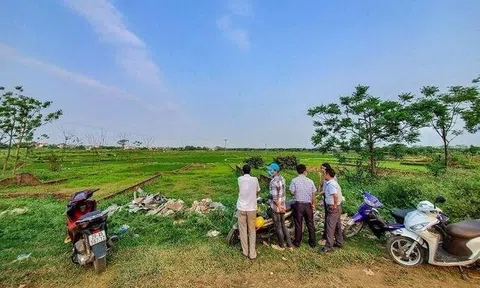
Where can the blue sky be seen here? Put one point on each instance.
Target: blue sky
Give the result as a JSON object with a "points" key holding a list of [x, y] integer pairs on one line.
{"points": [[196, 72]]}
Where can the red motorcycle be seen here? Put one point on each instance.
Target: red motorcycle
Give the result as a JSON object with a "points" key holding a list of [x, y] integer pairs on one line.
{"points": [[87, 230]]}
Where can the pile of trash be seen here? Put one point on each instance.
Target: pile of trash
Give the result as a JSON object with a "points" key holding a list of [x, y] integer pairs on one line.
{"points": [[205, 205], [156, 204]]}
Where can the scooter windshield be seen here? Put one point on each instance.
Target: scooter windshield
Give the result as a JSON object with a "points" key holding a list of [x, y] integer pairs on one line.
{"points": [[371, 200]]}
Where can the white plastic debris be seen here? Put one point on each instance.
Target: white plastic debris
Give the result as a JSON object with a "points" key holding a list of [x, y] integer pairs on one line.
{"points": [[14, 211], [112, 209], [213, 233], [369, 272], [22, 257], [124, 228]]}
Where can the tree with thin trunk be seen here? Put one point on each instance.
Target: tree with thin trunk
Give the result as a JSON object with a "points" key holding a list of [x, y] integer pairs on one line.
{"points": [[28, 119], [68, 137], [443, 110], [362, 121], [8, 120], [148, 142], [123, 140], [102, 139]]}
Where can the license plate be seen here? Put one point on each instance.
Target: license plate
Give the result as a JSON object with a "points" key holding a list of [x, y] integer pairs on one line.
{"points": [[97, 238]]}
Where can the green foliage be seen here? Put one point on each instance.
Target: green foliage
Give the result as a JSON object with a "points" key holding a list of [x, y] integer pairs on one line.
{"points": [[436, 166], [20, 117], [54, 162], [397, 150], [353, 170], [286, 162], [122, 142], [441, 111], [361, 121], [255, 161]]}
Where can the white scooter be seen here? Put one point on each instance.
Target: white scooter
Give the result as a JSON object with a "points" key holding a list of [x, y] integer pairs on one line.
{"points": [[427, 235]]}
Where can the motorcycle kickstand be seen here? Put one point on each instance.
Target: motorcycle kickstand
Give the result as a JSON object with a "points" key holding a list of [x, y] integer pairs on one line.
{"points": [[463, 273]]}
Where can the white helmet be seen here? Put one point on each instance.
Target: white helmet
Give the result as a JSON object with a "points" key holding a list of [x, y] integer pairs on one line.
{"points": [[425, 206]]}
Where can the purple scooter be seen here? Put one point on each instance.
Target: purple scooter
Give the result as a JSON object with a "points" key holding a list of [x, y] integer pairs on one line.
{"points": [[367, 214]]}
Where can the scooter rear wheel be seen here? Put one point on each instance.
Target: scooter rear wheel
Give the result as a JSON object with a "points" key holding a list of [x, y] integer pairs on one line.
{"points": [[352, 229], [397, 246], [233, 237], [99, 265]]}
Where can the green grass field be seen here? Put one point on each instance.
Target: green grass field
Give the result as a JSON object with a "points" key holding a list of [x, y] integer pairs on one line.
{"points": [[159, 252]]}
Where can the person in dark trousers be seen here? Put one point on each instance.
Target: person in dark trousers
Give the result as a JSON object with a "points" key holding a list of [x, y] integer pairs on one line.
{"points": [[333, 225], [323, 184], [277, 190], [304, 190]]}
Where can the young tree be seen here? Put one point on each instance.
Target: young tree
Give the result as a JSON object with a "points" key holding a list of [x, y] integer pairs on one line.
{"points": [[123, 140], [29, 118], [442, 111], [148, 142], [137, 144], [8, 118], [67, 135], [361, 121]]}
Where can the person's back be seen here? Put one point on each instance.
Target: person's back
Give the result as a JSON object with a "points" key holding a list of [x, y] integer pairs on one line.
{"points": [[247, 198], [248, 187]]}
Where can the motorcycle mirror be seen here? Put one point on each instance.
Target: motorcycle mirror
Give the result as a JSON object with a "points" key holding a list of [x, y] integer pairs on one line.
{"points": [[440, 199]]}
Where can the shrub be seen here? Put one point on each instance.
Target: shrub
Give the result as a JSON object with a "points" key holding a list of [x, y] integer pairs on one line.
{"points": [[437, 166], [286, 162], [54, 162], [255, 162]]}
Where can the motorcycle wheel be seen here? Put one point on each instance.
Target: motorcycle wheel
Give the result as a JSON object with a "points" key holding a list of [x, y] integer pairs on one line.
{"points": [[398, 245], [233, 237], [353, 229], [99, 265]]}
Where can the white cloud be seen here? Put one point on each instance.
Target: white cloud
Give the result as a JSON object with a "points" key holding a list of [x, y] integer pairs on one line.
{"points": [[11, 54], [238, 36], [236, 8], [132, 52]]}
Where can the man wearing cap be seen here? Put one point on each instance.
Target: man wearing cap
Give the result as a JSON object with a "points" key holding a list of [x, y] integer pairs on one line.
{"points": [[304, 190], [277, 203]]}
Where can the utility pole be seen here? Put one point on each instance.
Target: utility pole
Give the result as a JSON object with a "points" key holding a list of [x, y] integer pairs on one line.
{"points": [[225, 145]]}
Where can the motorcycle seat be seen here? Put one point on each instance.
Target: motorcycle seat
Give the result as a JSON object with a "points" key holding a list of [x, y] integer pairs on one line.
{"points": [[467, 229], [89, 215], [400, 214]]}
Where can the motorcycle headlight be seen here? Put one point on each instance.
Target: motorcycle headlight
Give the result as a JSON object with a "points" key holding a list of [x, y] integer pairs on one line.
{"points": [[419, 227]]}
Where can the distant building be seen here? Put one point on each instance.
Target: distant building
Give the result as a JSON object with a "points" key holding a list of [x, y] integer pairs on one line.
{"points": [[40, 145]]}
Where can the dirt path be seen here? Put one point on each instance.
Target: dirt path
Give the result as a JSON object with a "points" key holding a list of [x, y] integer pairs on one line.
{"points": [[207, 266]]}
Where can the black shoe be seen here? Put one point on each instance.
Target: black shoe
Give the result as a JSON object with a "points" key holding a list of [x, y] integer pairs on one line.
{"points": [[325, 250], [338, 246]]}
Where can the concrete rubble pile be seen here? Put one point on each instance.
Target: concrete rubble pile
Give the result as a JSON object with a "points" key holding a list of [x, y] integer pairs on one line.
{"points": [[205, 205], [156, 204]]}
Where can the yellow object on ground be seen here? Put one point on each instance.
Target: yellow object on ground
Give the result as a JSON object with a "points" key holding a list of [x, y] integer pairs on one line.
{"points": [[259, 222]]}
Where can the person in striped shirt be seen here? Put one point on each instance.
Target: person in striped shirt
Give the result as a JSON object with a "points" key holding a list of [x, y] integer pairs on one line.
{"points": [[277, 192]]}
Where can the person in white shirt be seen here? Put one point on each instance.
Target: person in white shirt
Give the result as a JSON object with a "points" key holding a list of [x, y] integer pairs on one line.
{"points": [[247, 208]]}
